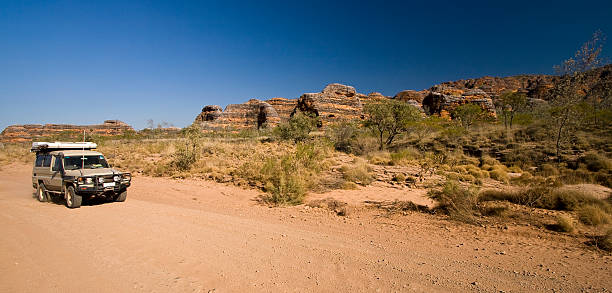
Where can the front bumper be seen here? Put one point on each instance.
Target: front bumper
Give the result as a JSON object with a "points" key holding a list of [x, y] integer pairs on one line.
{"points": [[97, 187]]}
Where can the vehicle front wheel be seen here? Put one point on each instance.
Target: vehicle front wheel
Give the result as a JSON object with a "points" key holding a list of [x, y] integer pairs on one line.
{"points": [[41, 193], [73, 200], [122, 196]]}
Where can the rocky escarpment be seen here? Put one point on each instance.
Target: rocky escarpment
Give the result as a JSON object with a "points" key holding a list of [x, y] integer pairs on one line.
{"points": [[28, 132], [341, 102]]}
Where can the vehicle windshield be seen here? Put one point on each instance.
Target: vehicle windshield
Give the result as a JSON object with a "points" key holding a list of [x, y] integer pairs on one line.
{"points": [[88, 162]]}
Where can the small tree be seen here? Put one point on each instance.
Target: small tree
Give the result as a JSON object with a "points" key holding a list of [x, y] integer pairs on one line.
{"points": [[568, 97], [390, 118], [510, 104], [298, 128], [467, 114]]}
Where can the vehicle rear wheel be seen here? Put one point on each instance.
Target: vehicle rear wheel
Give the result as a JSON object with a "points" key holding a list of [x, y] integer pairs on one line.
{"points": [[73, 200], [41, 193], [122, 196]]}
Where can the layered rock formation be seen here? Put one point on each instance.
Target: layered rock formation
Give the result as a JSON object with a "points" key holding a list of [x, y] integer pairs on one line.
{"points": [[443, 100], [253, 114], [535, 86], [28, 132], [335, 102], [341, 102], [284, 107]]}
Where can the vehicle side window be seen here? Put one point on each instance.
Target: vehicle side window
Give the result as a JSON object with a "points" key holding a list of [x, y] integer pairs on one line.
{"points": [[57, 163], [47, 161], [39, 160]]}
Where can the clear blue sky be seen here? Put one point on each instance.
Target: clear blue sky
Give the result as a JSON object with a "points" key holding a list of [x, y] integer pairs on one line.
{"points": [[82, 62]]}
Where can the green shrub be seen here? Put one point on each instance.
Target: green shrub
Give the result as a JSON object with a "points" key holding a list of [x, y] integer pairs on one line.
{"points": [[593, 215], [282, 184], [297, 128], [287, 177], [185, 156], [344, 135]]}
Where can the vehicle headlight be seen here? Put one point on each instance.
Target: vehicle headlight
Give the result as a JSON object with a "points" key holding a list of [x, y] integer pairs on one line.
{"points": [[126, 176], [100, 180], [116, 178], [89, 180], [80, 180]]}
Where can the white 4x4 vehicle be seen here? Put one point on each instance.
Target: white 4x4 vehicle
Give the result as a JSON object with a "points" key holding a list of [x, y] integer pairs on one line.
{"points": [[73, 171]]}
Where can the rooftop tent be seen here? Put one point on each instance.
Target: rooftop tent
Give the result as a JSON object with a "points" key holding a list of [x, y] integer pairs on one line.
{"points": [[56, 146]]}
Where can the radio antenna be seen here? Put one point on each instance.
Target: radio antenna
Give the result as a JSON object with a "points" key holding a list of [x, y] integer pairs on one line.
{"points": [[83, 158]]}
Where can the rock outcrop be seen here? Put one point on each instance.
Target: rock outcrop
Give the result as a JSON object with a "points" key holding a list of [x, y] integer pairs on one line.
{"points": [[335, 102], [410, 95], [253, 114], [284, 107], [442, 101], [29, 132], [535, 86]]}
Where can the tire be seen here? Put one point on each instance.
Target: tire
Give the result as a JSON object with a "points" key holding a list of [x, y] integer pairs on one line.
{"points": [[122, 196], [73, 200], [41, 193]]}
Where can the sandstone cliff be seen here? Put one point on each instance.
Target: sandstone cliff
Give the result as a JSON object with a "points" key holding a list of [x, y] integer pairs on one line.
{"points": [[28, 132], [335, 102]]}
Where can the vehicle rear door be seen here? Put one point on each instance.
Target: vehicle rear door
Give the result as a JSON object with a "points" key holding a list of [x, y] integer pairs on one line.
{"points": [[42, 169], [55, 176]]}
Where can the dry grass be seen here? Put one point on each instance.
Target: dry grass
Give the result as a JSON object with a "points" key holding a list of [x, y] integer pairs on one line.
{"points": [[565, 224], [15, 152], [458, 202], [358, 172], [593, 215]]}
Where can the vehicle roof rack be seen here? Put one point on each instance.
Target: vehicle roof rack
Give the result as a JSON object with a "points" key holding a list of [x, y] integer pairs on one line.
{"points": [[58, 145]]}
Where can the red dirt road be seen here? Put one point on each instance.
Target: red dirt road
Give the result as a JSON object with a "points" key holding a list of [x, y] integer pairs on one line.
{"points": [[199, 236]]}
